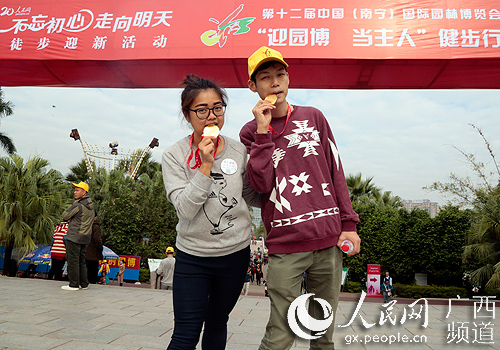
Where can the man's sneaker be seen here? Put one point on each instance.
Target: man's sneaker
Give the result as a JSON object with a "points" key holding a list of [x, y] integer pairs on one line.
{"points": [[69, 288], [85, 288]]}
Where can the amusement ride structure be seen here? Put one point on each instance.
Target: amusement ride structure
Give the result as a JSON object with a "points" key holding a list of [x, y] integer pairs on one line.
{"points": [[111, 157]]}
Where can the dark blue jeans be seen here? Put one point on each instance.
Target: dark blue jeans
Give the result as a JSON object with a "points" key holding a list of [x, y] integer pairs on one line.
{"points": [[205, 290]]}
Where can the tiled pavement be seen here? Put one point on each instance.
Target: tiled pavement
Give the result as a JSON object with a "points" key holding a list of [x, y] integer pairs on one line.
{"points": [[36, 314]]}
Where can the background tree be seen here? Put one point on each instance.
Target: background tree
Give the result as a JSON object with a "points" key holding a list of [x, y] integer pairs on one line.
{"points": [[482, 251], [467, 191], [261, 231], [32, 200], [362, 191], [405, 242], [483, 248], [6, 109], [135, 215], [156, 218], [377, 230], [79, 172], [449, 230], [390, 201], [147, 166]]}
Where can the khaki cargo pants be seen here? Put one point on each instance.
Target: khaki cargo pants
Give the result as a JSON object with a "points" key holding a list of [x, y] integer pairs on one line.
{"points": [[324, 273]]}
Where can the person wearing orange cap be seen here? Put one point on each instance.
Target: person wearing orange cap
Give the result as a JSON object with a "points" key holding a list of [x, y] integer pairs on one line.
{"points": [[306, 208], [166, 269], [80, 217]]}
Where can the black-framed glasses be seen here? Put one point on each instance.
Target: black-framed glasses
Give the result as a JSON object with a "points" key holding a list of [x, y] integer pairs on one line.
{"points": [[204, 112]]}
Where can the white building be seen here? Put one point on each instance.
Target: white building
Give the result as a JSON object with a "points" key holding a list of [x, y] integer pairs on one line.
{"points": [[256, 217], [426, 204]]}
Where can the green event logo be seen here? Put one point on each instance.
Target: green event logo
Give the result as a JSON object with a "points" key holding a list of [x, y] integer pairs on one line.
{"points": [[230, 25]]}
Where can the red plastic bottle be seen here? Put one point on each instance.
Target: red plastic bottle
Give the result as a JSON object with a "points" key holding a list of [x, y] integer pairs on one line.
{"points": [[347, 246]]}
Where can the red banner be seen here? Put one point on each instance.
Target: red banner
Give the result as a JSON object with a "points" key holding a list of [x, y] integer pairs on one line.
{"points": [[131, 262], [380, 29], [145, 31]]}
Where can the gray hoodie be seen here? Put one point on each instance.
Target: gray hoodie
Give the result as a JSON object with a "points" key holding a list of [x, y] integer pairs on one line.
{"points": [[213, 213]]}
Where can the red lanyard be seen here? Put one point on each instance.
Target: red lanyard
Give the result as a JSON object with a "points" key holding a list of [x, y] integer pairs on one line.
{"points": [[197, 157], [288, 113]]}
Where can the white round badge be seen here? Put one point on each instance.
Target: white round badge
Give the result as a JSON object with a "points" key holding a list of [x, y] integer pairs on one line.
{"points": [[229, 166]]}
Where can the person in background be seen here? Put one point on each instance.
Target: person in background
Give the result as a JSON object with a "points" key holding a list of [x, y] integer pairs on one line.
{"points": [[166, 269], [121, 271], [258, 274], [80, 216], [103, 272], [247, 280], [387, 291], [252, 270], [94, 253], [388, 278], [58, 252]]}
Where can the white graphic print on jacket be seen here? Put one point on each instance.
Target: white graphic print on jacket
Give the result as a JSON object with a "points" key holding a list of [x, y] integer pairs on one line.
{"points": [[307, 138]]}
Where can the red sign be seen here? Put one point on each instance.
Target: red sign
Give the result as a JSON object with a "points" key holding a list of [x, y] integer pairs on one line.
{"points": [[373, 281], [107, 30], [374, 269], [131, 262], [95, 31]]}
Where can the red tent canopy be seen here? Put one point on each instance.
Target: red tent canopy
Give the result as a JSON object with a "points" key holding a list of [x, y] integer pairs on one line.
{"points": [[353, 44]]}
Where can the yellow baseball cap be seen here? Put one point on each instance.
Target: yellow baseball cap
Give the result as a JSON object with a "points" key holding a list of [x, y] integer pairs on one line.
{"points": [[263, 55], [169, 250], [82, 185]]}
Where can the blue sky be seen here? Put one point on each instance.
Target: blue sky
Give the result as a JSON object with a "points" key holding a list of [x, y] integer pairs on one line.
{"points": [[403, 138]]}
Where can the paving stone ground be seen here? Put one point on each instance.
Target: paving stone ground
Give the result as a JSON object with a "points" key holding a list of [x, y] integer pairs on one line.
{"points": [[35, 314]]}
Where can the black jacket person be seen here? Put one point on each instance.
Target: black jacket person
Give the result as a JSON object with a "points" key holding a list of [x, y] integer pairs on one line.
{"points": [[80, 216]]}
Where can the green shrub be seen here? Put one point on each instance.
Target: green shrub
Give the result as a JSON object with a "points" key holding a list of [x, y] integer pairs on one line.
{"points": [[417, 292], [352, 287], [492, 292], [144, 275]]}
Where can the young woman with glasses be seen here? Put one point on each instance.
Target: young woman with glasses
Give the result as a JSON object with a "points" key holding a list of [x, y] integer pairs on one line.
{"points": [[205, 179]]}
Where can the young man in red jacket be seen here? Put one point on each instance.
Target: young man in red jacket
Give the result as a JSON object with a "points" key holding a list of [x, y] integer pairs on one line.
{"points": [[306, 207]]}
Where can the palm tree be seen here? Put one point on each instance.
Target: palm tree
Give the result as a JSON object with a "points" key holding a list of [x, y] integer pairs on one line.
{"points": [[6, 109], [390, 201], [475, 191], [482, 252], [362, 191], [106, 186], [79, 172], [31, 202], [484, 243]]}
